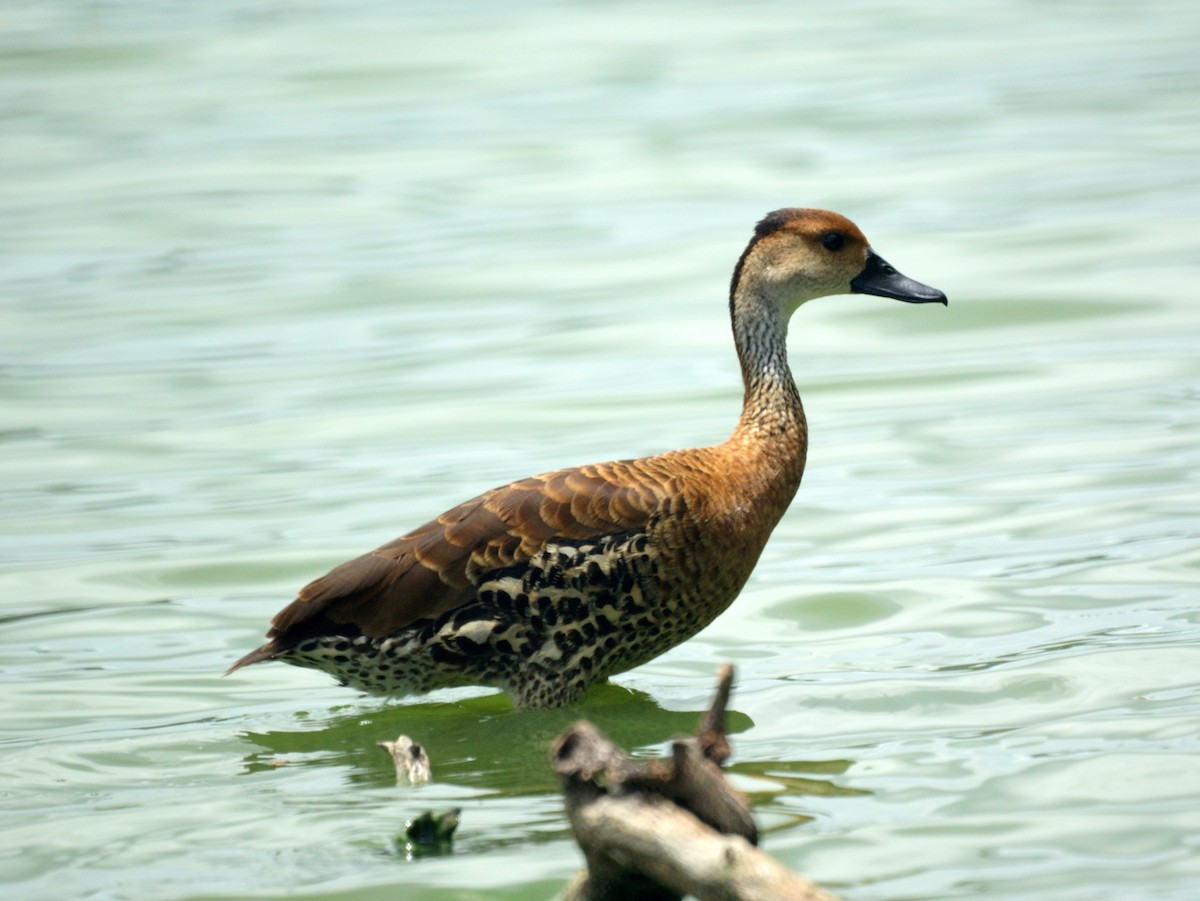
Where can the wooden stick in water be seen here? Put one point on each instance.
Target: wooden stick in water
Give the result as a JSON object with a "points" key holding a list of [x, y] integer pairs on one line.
{"points": [[662, 829]]}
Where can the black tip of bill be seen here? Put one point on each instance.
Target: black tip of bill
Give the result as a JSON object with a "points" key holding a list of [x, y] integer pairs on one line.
{"points": [[879, 277]]}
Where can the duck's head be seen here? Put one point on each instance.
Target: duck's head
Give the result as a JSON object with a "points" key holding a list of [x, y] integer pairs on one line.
{"points": [[797, 255]]}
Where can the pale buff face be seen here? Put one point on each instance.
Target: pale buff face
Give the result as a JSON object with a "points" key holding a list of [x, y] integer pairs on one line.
{"points": [[812, 253]]}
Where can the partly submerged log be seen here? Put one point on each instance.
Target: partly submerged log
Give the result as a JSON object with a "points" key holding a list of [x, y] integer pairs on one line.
{"points": [[662, 829]]}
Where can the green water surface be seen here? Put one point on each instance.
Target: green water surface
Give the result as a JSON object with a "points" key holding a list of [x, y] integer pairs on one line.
{"points": [[279, 281]]}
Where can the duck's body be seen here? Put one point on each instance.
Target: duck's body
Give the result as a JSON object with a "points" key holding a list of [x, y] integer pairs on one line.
{"points": [[551, 583]]}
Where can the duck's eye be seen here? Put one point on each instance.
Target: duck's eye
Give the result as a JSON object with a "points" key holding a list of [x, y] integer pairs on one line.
{"points": [[833, 241]]}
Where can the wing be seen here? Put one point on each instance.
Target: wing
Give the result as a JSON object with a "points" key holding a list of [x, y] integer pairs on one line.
{"points": [[434, 568]]}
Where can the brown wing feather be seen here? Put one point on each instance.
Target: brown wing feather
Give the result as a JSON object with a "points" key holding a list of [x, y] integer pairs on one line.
{"points": [[433, 568]]}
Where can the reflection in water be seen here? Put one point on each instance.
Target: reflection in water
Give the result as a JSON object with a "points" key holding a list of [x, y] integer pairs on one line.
{"points": [[481, 742], [776, 783], [485, 743]]}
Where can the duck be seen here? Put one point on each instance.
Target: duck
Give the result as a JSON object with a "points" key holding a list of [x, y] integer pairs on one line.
{"points": [[549, 584]]}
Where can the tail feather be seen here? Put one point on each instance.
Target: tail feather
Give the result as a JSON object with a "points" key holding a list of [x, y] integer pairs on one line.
{"points": [[268, 651]]}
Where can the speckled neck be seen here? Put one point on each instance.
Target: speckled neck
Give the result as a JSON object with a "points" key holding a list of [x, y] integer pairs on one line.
{"points": [[771, 436], [771, 404]]}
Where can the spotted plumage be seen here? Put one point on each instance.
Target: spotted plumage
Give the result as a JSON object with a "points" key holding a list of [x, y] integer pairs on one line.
{"points": [[549, 584]]}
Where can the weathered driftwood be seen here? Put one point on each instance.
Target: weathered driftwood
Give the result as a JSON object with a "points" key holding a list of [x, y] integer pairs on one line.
{"points": [[412, 763], [662, 829]]}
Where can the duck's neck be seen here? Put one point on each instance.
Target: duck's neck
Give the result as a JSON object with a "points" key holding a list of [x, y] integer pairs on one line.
{"points": [[772, 418]]}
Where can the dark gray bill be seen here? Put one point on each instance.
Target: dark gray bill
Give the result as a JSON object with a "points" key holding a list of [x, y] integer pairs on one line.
{"points": [[878, 277]]}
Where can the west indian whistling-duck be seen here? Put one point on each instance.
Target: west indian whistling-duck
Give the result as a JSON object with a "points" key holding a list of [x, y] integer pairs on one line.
{"points": [[549, 584]]}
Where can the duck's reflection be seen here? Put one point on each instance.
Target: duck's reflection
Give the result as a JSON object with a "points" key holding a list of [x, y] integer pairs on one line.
{"points": [[487, 745], [480, 742]]}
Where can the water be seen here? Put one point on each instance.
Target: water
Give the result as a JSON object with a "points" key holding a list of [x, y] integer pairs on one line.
{"points": [[281, 281]]}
